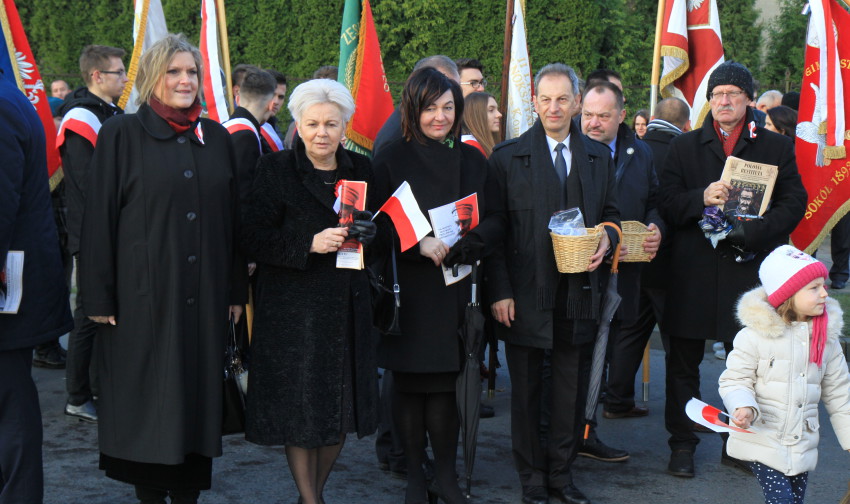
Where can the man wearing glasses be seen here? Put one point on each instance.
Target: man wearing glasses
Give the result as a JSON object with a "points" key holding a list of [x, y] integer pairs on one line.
{"points": [[83, 113], [705, 282], [471, 75]]}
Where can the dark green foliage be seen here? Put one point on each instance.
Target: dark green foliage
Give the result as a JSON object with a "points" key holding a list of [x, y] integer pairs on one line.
{"points": [[787, 47], [741, 33]]}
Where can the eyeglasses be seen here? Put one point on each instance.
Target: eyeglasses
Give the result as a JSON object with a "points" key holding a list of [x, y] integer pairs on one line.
{"points": [[726, 94], [475, 83], [119, 73]]}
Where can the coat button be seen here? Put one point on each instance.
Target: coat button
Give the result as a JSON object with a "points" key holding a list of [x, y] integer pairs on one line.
{"points": [[188, 173], [192, 259], [181, 140], [190, 301], [796, 437], [191, 216], [799, 405]]}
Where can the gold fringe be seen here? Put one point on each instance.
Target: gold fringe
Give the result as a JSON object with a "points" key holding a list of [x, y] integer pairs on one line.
{"points": [[10, 46], [57, 177], [837, 216], [847, 135], [706, 108], [822, 128], [350, 134], [834, 152], [676, 52], [137, 53]]}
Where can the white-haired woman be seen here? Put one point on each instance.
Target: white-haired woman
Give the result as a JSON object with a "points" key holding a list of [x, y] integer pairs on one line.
{"points": [[313, 362], [159, 269]]}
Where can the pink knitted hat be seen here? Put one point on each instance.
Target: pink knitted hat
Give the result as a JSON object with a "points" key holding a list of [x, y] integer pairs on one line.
{"points": [[787, 270]]}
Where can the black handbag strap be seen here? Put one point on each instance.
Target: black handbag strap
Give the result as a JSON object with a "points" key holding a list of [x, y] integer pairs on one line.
{"points": [[396, 288]]}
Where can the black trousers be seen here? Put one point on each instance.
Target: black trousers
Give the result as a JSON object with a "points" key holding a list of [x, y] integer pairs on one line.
{"points": [[21, 473], [80, 374], [549, 465], [840, 250], [682, 381], [625, 350], [388, 444]]}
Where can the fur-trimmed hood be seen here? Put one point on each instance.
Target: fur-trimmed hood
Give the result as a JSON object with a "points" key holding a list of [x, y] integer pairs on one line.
{"points": [[754, 311]]}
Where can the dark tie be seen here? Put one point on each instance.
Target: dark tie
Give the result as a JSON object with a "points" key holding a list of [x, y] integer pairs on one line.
{"points": [[561, 163]]}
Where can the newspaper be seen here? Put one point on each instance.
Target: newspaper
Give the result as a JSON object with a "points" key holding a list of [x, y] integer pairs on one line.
{"points": [[450, 223], [752, 186], [351, 198], [11, 282]]}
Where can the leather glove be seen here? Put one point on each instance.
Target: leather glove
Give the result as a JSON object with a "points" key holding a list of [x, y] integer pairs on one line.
{"points": [[363, 229], [467, 250], [736, 236]]}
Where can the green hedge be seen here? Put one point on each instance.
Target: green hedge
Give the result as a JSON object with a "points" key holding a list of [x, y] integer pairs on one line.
{"points": [[297, 36]]}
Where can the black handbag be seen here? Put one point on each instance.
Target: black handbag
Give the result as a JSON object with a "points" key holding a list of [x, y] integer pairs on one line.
{"points": [[233, 415], [386, 293]]}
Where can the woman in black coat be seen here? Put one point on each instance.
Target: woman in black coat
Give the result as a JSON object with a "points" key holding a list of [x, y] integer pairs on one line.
{"points": [[313, 365], [426, 358], [159, 272]]}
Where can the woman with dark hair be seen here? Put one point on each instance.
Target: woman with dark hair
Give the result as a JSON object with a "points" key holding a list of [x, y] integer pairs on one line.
{"points": [[481, 122], [426, 358], [640, 122], [312, 379], [782, 120], [160, 272]]}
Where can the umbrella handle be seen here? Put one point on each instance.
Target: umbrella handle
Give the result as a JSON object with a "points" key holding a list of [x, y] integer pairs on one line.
{"points": [[616, 260]]}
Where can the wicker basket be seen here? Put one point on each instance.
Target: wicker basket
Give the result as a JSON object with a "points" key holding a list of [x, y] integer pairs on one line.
{"points": [[572, 253], [634, 233]]}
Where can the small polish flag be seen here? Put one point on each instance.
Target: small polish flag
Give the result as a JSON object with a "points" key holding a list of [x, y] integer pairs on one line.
{"points": [[410, 224]]}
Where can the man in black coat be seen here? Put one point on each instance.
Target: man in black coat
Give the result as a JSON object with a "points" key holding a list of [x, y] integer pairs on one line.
{"points": [[705, 282], [537, 307], [26, 225], [603, 113], [83, 113]]}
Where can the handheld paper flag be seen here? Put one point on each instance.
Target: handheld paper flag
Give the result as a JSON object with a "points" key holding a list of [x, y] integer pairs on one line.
{"points": [[410, 224], [708, 415]]}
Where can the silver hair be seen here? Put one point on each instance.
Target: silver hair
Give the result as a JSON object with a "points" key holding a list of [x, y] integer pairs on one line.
{"points": [[558, 69], [444, 64], [316, 91], [773, 96]]}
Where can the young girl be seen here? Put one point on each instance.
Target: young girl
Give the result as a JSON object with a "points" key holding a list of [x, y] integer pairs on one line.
{"points": [[785, 360]]}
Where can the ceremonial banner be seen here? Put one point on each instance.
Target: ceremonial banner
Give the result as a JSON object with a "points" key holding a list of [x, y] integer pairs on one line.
{"points": [[361, 70], [822, 135], [215, 80], [18, 64], [148, 28], [520, 110], [691, 47]]}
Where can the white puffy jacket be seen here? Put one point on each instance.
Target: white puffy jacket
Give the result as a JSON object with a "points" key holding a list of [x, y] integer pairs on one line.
{"points": [[769, 370]]}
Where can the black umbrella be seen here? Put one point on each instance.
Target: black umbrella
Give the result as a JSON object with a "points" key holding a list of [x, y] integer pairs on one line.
{"points": [[468, 388], [610, 301]]}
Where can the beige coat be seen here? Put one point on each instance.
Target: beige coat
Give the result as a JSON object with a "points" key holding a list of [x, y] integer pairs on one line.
{"points": [[769, 370]]}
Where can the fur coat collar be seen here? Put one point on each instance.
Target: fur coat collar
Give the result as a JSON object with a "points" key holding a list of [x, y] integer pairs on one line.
{"points": [[754, 311]]}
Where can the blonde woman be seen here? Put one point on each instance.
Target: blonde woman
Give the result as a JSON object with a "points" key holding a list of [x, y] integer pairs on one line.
{"points": [[481, 122]]}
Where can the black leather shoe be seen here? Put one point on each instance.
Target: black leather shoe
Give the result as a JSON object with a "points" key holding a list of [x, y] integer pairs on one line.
{"points": [[681, 464], [636, 411], [569, 494], [838, 284], [49, 356], [596, 449], [535, 495], [486, 411]]}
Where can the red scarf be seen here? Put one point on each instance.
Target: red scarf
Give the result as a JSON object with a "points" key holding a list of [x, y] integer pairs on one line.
{"points": [[180, 120], [731, 139], [818, 340]]}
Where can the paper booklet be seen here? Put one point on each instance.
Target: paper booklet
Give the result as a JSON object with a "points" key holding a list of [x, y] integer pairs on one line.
{"points": [[450, 223], [12, 282], [352, 197], [752, 186]]}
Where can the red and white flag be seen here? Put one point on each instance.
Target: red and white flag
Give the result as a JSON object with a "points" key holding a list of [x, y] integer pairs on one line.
{"points": [[148, 28], [215, 87], [822, 135], [410, 223], [692, 48], [520, 112], [709, 416]]}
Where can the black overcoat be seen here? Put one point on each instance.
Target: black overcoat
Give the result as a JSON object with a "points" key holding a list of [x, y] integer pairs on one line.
{"points": [[524, 176], [431, 312], [705, 282], [306, 307], [158, 251]]}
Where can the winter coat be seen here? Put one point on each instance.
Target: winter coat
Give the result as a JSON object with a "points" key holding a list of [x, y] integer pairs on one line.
{"points": [[26, 224], [76, 151], [523, 174], [769, 370], [158, 252], [637, 200], [705, 282], [307, 310], [431, 312]]}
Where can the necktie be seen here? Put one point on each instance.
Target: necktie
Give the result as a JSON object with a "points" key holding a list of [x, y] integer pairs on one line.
{"points": [[561, 163]]}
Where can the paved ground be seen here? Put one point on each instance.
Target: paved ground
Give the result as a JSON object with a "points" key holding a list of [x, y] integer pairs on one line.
{"points": [[250, 474]]}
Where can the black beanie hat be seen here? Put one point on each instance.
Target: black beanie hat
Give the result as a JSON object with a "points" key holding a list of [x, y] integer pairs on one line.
{"points": [[731, 73]]}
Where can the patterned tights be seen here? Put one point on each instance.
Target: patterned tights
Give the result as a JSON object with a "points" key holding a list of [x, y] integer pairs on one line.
{"points": [[778, 488]]}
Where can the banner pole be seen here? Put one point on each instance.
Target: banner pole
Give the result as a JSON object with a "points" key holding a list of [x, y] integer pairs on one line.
{"points": [[506, 63], [225, 52], [656, 58]]}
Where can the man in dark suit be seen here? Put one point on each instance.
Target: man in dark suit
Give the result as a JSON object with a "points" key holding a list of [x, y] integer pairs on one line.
{"points": [[26, 225], [603, 113], [550, 167]]}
